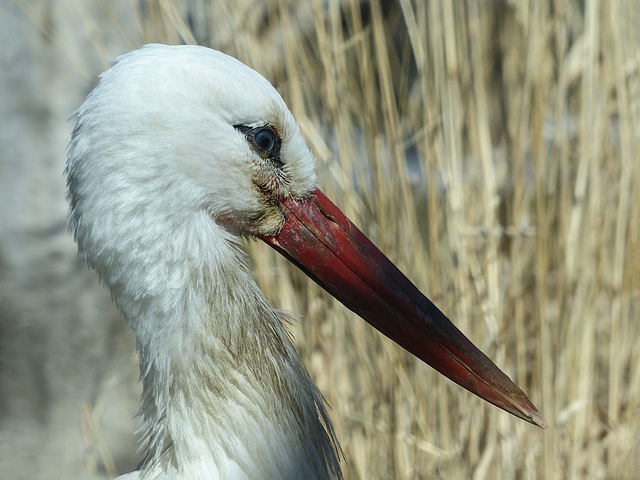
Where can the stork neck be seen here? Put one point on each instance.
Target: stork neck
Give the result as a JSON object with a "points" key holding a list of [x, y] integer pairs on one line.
{"points": [[224, 393]]}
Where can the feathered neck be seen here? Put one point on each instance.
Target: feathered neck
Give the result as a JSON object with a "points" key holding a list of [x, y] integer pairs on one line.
{"points": [[224, 393]]}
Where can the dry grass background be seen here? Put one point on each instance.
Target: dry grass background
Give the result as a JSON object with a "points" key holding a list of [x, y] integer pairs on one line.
{"points": [[491, 150]]}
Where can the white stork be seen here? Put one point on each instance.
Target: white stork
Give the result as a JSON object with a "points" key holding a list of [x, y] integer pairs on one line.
{"points": [[178, 153]]}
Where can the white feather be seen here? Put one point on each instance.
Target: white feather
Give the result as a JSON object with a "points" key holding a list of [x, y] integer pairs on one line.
{"points": [[161, 185]]}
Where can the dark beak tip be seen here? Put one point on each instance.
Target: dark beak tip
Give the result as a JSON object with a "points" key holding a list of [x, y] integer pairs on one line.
{"points": [[535, 417]]}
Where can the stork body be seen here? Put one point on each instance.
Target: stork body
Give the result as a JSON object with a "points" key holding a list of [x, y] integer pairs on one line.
{"points": [[177, 153]]}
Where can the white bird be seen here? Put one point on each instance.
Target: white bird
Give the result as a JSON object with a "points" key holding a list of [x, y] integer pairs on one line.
{"points": [[177, 153]]}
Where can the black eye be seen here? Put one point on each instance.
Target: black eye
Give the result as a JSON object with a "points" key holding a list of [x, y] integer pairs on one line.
{"points": [[265, 140]]}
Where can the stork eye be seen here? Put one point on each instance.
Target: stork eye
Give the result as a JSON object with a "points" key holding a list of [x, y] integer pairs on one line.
{"points": [[265, 140]]}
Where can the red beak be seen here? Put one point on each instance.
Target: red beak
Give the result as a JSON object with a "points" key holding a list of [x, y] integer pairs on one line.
{"points": [[323, 243]]}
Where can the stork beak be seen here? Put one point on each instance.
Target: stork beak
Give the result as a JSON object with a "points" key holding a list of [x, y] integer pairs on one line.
{"points": [[323, 243]]}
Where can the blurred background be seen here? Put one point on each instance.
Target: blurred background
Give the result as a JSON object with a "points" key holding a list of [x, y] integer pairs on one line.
{"points": [[490, 148]]}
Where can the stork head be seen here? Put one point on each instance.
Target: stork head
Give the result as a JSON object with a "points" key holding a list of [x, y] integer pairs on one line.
{"points": [[185, 135], [191, 128]]}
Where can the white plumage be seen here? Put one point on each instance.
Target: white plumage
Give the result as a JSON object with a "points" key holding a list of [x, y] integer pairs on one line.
{"points": [[154, 158], [177, 153]]}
